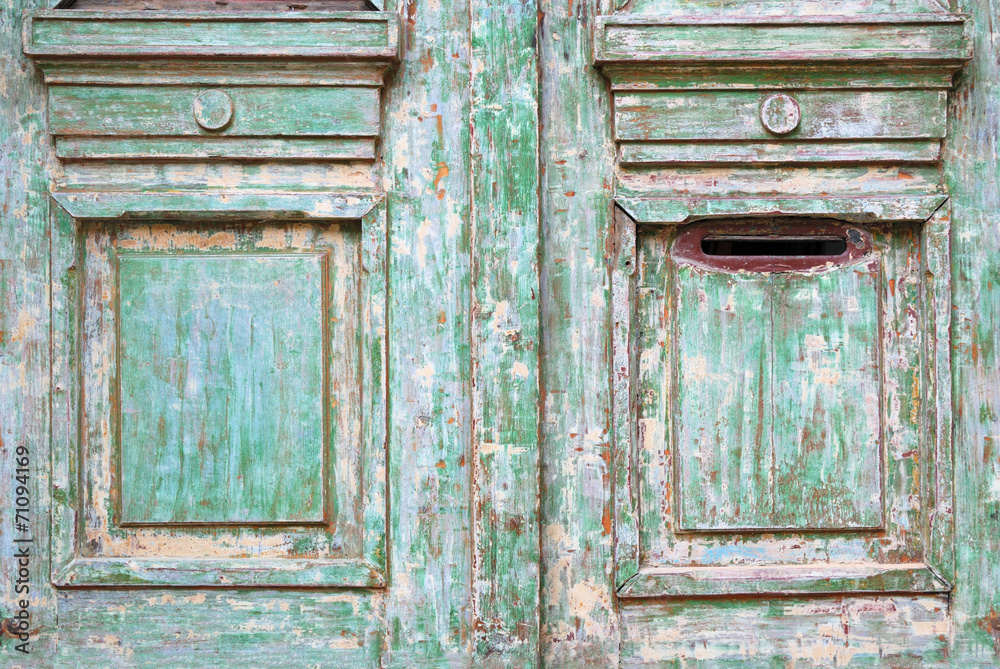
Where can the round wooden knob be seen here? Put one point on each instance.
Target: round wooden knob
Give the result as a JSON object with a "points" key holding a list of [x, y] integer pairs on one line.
{"points": [[213, 109], [780, 114]]}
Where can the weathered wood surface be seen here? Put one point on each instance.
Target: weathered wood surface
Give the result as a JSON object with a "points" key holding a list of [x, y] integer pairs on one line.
{"points": [[25, 155], [271, 310], [832, 632], [779, 451], [717, 8], [882, 37], [505, 331], [427, 147], [579, 620], [211, 34], [258, 111], [735, 116], [514, 507], [973, 175]]}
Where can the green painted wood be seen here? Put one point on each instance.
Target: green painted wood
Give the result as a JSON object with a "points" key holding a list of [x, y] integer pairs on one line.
{"points": [[213, 72], [826, 632], [940, 484], [909, 465], [212, 34], [259, 185], [372, 458], [427, 154], [454, 562], [148, 205], [219, 390], [857, 209], [347, 552], [216, 148], [257, 111], [218, 628], [784, 580], [579, 621], [723, 400], [826, 115], [972, 172], [826, 387], [505, 232], [750, 75], [624, 300], [715, 8], [102, 573], [937, 37], [26, 386], [662, 153]]}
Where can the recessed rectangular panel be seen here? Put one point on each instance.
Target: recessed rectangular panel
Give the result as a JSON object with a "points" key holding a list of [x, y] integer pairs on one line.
{"points": [[777, 407], [827, 424], [722, 398], [221, 388]]}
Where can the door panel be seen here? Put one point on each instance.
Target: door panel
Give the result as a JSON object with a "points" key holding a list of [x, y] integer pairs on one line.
{"points": [[723, 417], [360, 337], [778, 385], [219, 389]]}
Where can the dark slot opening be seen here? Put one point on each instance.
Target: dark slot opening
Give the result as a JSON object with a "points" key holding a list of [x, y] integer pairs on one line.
{"points": [[734, 245]]}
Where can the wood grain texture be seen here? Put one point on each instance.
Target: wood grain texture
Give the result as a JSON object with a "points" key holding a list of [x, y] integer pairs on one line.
{"points": [[219, 389], [579, 624], [973, 176], [505, 331], [835, 632], [826, 115], [25, 384], [883, 38], [216, 148], [820, 579], [725, 425], [211, 34], [259, 111], [348, 547], [661, 153], [663, 545], [427, 155], [181, 627], [826, 382], [782, 8], [516, 514]]}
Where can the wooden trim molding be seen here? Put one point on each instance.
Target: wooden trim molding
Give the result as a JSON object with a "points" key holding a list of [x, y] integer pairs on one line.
{"points": [[939, 38], [166, 34], [933, 570], [145, 88], [780, 90], [71, 567], [217, 205]]}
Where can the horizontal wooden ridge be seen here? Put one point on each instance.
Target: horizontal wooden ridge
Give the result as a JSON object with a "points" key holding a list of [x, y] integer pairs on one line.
{"points": [[167, 34], [887, 38], [821, 578]]}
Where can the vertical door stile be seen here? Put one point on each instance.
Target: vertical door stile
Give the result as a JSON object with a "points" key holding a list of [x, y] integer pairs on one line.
{"points": [[505, 330]]}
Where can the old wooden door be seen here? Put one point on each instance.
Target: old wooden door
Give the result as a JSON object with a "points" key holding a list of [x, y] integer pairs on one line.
{"points": [[499, 333]]}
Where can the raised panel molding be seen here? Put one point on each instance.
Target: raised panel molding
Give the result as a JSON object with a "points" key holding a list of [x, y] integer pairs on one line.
{"points": [[143, 86], [692, 90], [321, 436], [219, 265], [219, 390], [659, 553], [836, 117]]}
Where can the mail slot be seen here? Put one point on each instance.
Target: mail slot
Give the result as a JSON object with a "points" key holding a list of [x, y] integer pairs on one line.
{"points": [[777, 370], [756, 247]]}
